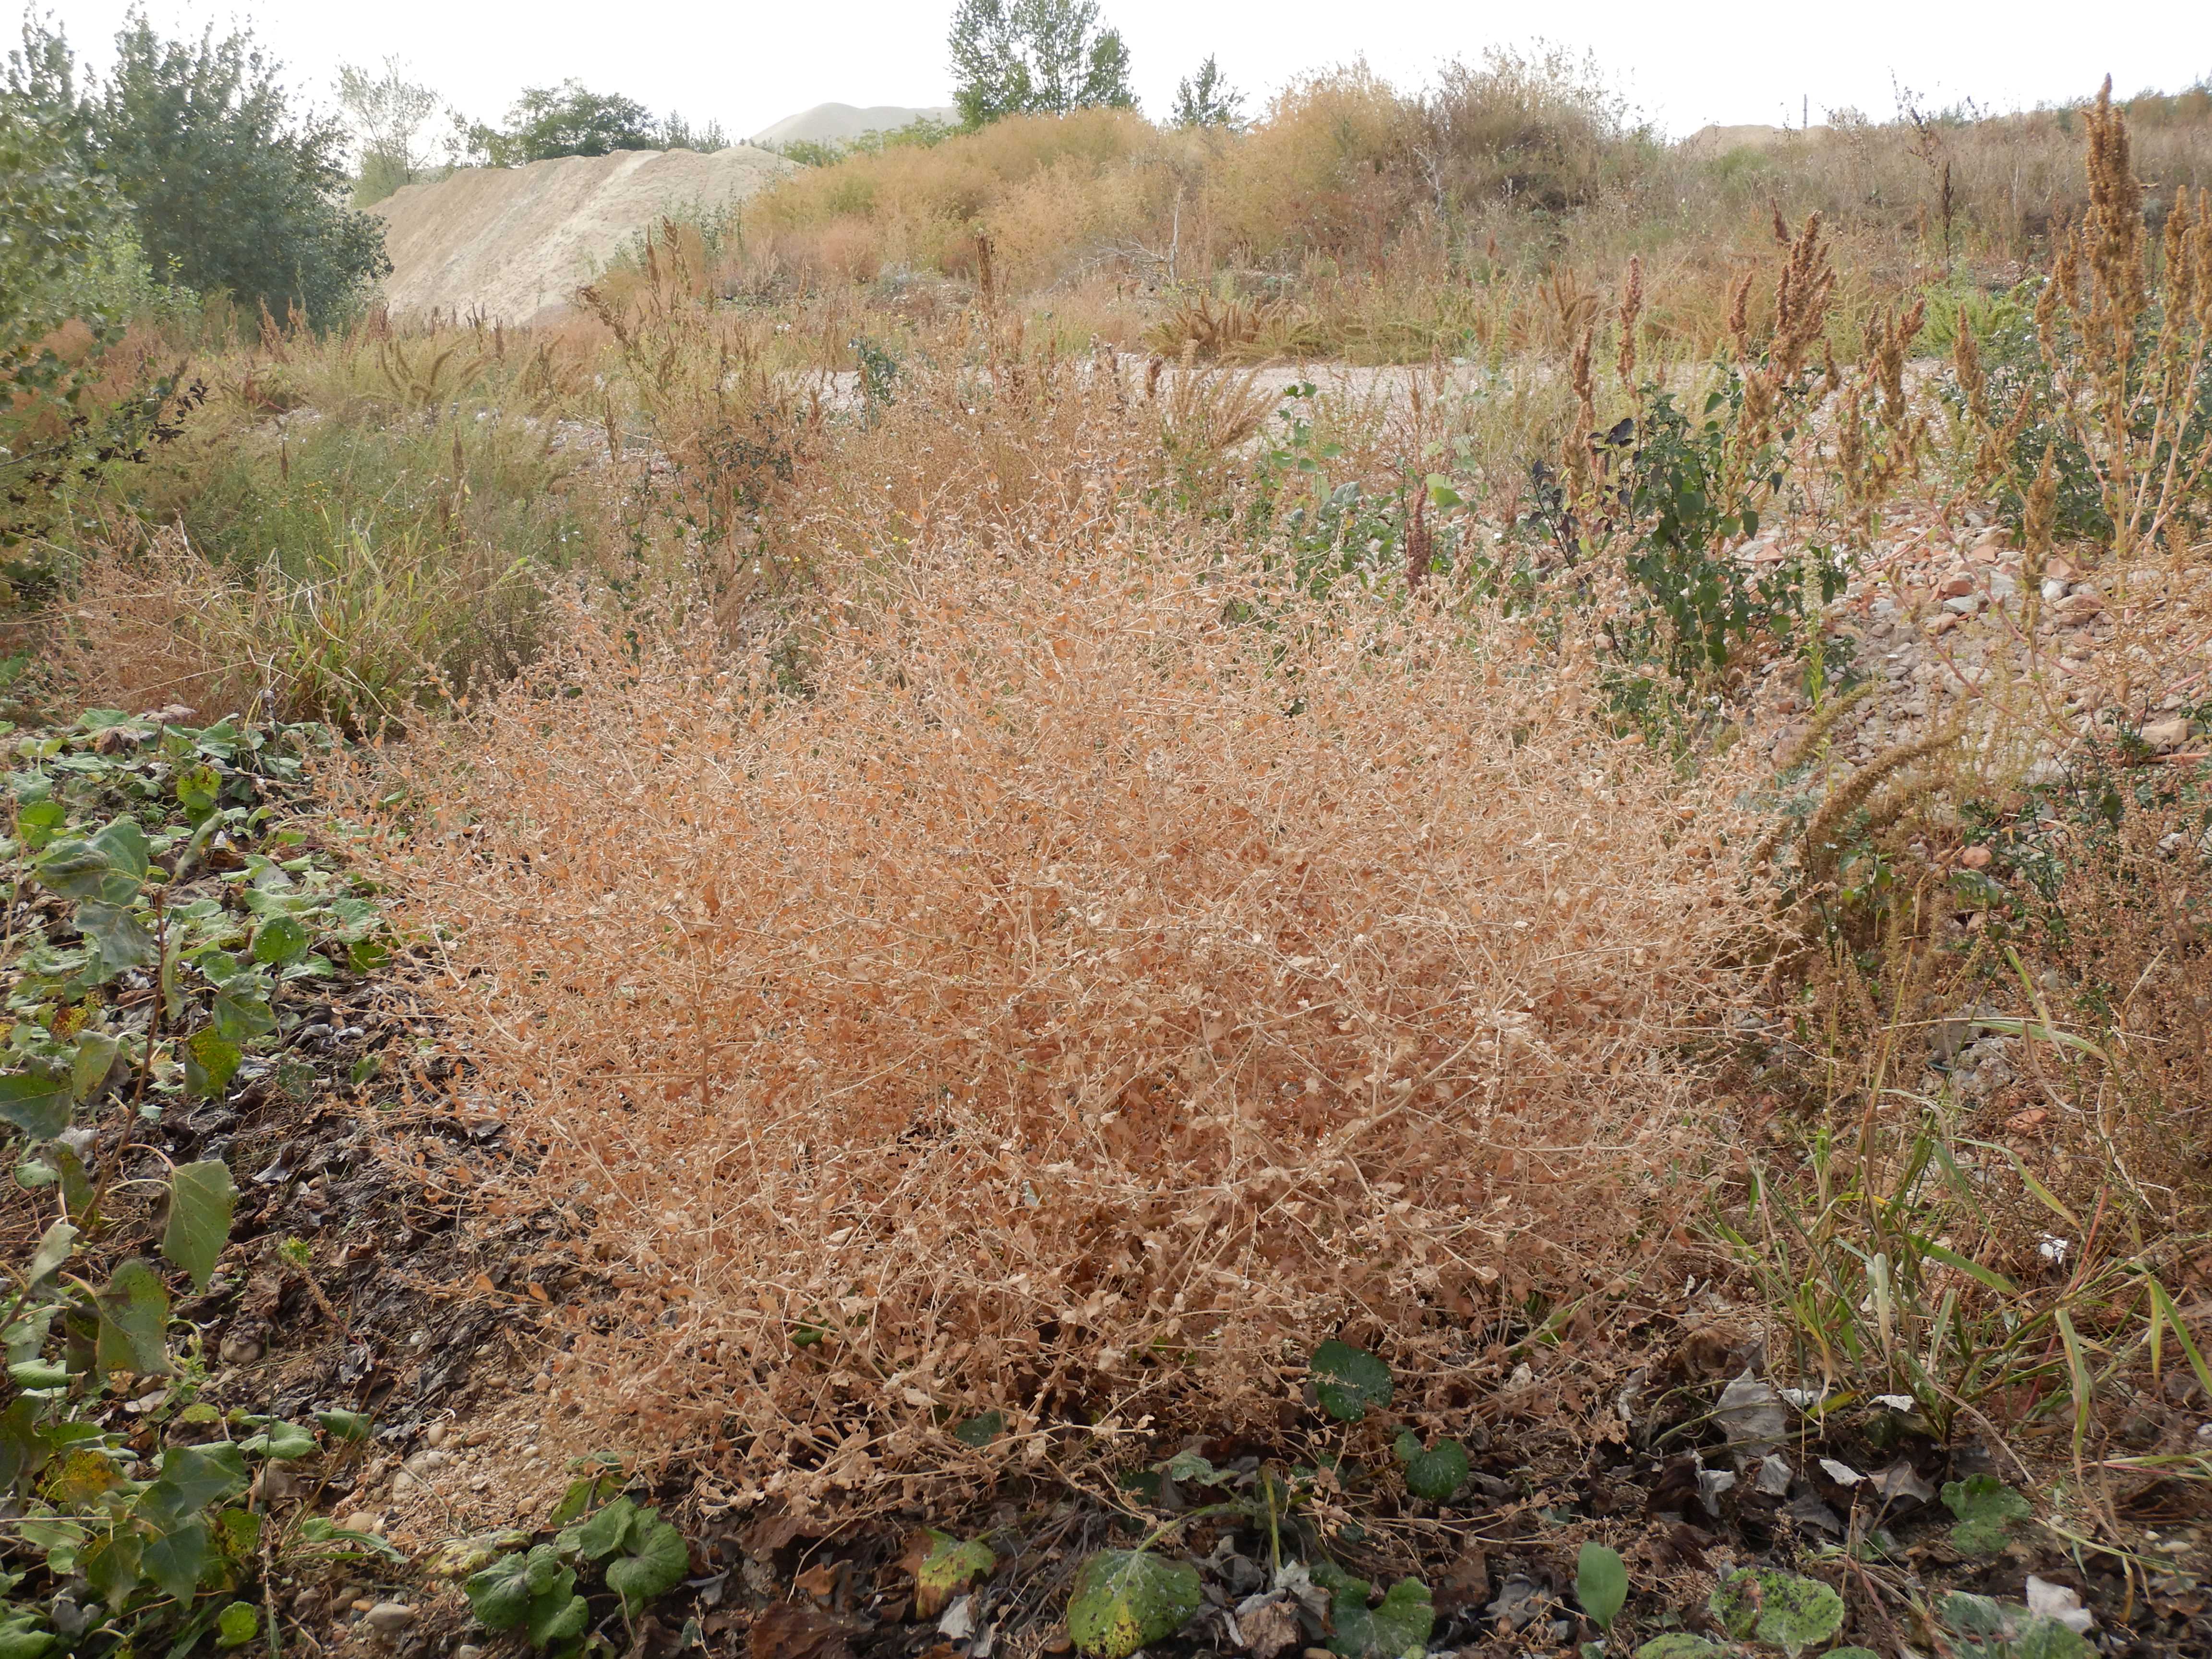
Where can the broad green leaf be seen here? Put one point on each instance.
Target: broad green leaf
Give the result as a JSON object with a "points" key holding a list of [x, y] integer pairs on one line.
{"points": [[500, 1593], [94, 1059], [949, 1567], [280, 941], [198, 789], [239, 1015], [54, 1247], [193, 1478], [37, 1102], [556, 1617], [1349, 1380], [2046, 1638], [201, 1196], [23, 1641], [344, 1424], [1779, 1608], [601, 1534], [1986, 1509], [110, 1565], [239, 1624], [1435, 1473], [1853, 1652], [134, 1322], [210, 1063], [39, 823], [1125, 1599], [658, 1560], [174, 1559], [1677, 1644], [123, 941], [122, 844], [1400, 1624], [1600, 1584], [38, 1374], [74, 869], [281, 1442]]}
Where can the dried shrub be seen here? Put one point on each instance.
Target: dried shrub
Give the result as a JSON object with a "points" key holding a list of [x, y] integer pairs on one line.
{"points": [[1115, 975]]}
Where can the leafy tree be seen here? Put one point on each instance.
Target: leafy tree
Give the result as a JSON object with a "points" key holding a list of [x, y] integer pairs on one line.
{"points": [[387, 112], [1036, 57], [226, 188], [1207, 100], [677, 133], [565, 120]]}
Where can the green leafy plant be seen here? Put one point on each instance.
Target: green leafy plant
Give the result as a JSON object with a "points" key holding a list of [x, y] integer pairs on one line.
{"points": [[1124, 1599], [1600, 1584], [638, 1555], [1399, 1623], [1434, 1473], [1779, 1608], [1348, 1379], [1986, 1508], [1988, 1629]]}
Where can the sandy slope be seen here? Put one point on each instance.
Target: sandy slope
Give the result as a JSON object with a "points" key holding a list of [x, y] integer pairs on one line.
{"points": [[514, 243]]}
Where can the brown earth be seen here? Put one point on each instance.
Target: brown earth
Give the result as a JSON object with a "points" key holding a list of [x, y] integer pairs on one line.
{"points": [[512, 244]]}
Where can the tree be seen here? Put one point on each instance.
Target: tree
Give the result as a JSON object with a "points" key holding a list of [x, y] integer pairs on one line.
{"points": [[387, 112], [1036, 57], [227, 189], [1206, 100], [565, 120]]}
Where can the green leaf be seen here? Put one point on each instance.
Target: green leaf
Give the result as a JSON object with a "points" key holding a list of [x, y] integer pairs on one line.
{"points": [[1780, 1608], [37, 1101], [20, 1641], [72, 868], [210, 1063], [201, 1197], [1853, 1652], [54, 1247], [499, 1594], [240, 1016], [1349, 1380], [281, 1442], [174, 1559], [1400, 1624], [134, 1322], [602, 1535], [1600, 1584], [123, 941], [1986, 1509], [193, 1478], [658, 1560], [1677, 1644], [123, 843], [110, 1565], [343, 1424], [949, 1567], [1125, 1599], [93, 1060], [1435, 1473], [280, 941], [559, 1615], [239, 1624], [199, 788], [39, 823]]}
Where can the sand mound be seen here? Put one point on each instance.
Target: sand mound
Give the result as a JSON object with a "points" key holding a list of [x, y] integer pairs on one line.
{"points": [[834, 123], [514, 243]]}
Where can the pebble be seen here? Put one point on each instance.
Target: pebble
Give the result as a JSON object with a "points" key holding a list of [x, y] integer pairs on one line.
{"points": [[388, 1617]]}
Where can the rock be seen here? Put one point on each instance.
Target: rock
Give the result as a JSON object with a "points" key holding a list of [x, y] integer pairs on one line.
{"points": [[1956, 587], [1964, 606], [2002, 587], [389, 1617], [2167, 734], [361, 1521], [2053, 590]]}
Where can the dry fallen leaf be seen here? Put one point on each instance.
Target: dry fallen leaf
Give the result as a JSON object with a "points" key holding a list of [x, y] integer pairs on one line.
{"points": [[794, 1629]]}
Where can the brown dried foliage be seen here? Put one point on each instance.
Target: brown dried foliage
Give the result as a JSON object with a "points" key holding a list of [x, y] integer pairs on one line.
{"points": [[1078, 1003]]}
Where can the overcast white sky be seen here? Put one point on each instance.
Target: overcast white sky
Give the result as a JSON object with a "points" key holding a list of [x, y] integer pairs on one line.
{"points": [[750, 65]]}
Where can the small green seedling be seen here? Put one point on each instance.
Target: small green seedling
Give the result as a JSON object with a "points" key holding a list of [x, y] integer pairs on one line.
{"points": [[1600, 1584], [1780, 1608], [1434, 1473], [1348, 1379], [1986, 1509]]}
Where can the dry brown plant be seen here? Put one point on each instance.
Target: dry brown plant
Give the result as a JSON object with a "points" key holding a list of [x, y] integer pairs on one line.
{"points": [[1115, 973]]}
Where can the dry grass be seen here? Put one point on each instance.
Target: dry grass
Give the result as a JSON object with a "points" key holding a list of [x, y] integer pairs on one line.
{"points": [[1078, 1003]]}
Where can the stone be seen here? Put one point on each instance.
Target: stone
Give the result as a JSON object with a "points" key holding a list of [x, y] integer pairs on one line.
{"points": [[389, 1617], [1955, 587], [2167, 734]]}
